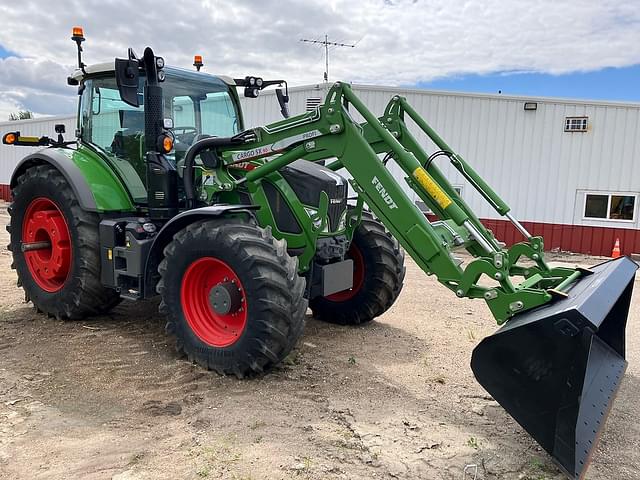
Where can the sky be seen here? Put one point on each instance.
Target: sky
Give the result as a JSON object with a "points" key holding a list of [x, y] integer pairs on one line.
{"points": [[587, 49]]}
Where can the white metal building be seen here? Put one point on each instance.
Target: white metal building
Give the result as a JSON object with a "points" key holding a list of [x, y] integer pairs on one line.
{"points": [[10, 156], [569, 169]]}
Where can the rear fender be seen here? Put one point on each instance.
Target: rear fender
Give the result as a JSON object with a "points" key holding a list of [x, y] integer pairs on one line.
{"points": [[95, 186], [177, 223]]}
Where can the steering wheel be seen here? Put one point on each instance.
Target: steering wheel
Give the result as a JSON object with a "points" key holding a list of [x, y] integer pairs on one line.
{"points": [[185, 134]]}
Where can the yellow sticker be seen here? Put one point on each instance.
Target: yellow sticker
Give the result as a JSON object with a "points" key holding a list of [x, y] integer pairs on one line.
{"points": [[432, 187]]}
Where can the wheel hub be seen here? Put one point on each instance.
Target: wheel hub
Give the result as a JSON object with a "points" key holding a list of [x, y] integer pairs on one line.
{"points": [[213, 302], [225, 298], [44, 225]]}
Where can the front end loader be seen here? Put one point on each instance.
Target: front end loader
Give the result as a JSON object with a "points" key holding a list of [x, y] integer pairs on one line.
{"points": [[557, 362], [165, 192]]}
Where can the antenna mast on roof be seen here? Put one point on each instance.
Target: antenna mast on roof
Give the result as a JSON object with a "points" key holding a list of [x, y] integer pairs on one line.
{"points": [[326, 44]]}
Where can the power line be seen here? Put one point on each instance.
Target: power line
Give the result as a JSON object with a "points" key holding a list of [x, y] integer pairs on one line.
{"points": [[326, 44]]}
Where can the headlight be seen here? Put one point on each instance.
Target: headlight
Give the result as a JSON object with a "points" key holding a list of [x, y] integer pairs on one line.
{"points": [[342, 223], [317, 221]]}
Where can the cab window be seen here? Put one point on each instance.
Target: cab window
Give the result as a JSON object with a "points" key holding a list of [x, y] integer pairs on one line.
{"points": [[117, 129], [218, 115], [199, 105]]}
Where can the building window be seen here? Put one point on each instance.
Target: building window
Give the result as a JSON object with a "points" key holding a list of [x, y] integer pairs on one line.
{"points": [[313, 103], [610, 206], [576, 124]]}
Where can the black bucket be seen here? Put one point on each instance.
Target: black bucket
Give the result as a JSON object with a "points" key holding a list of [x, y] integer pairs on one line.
{"points": [[556, 369]]}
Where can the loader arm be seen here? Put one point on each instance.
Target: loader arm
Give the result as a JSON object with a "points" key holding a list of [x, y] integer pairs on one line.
{"points": [[331, 132]]}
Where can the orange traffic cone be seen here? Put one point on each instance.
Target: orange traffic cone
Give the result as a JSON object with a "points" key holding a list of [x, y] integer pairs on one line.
{"points": [[615, 253]]}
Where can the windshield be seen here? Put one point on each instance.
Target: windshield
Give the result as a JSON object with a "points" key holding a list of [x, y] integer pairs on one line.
{"points": [[198, 105]]}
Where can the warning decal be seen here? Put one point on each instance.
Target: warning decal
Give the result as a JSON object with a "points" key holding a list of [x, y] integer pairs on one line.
{"points": [[432, 188]]}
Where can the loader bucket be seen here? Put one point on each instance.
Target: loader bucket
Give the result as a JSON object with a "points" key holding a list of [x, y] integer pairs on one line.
{"points": [[556, 369]]}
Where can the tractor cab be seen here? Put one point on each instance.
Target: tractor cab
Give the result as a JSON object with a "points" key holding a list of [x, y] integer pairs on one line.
{"points": [[142, 118], [195, 105]]}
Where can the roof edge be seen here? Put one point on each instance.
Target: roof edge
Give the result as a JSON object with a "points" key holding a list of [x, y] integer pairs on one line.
{"points": [[492, 96], [41, 119]]}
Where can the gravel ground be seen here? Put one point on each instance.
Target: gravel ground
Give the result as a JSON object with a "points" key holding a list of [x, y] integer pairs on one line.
{"points": [[108, 398]]}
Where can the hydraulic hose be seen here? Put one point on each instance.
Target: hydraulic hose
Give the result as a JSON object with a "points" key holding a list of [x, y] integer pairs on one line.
{"points": [[189, 160]]}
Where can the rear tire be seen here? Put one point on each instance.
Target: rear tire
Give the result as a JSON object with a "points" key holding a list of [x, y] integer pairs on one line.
{"points": [[245, 266], [64, 280], [377, 279]]}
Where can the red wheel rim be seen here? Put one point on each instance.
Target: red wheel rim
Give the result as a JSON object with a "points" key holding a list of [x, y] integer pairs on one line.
{"points": [[212, 327], [358, 276], [44, 222]]}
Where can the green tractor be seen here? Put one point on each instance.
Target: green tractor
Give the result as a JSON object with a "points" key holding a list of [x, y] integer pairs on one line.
{"points": [[163, 192], [130, 210]]}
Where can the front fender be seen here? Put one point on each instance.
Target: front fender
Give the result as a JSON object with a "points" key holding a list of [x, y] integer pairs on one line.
{"points": [[177, 223], [94, 184]]}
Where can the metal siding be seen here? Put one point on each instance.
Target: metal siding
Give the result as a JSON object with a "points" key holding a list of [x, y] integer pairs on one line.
{"points": [[526, 156]]}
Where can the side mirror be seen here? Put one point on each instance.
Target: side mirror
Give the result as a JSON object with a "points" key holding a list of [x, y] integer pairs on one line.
{"points": [[59, 127], [283, 101], [127, 77]]}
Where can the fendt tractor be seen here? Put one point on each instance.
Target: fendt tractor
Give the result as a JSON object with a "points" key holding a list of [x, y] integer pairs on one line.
{"points": [[164, 192]]}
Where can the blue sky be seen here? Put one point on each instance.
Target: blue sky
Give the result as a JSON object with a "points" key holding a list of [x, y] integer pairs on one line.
{"points": [[590, 50], [5, 53], [604, 84]]}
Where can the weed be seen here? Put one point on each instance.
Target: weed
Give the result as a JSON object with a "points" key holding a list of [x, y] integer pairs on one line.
{"points": [[257, 424], [136, 458], [540, 469], [203, 472]]}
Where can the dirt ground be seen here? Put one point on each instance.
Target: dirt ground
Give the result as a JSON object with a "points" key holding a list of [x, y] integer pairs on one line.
{"points": [[108, 398]]}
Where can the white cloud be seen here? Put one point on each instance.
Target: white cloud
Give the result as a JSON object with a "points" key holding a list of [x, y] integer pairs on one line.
{"points": [[399, 41]]}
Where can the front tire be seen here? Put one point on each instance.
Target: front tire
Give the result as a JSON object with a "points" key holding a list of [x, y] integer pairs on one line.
{"points": [[377, 278], [232, 296], [63, 279]]}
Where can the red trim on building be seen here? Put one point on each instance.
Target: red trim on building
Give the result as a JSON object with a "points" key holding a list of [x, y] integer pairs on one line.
{"points": [[5, 193], [568, 238]]}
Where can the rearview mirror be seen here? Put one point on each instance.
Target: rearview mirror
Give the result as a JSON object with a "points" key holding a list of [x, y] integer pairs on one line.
{"points": [[283, 101], [127, 77]]}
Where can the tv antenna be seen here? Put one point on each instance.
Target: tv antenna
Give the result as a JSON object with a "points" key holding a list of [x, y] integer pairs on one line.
{"points": [[326, 43]]}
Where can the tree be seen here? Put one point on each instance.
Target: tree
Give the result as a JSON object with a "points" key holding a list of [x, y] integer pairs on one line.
{"points": [[21, 115]]}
